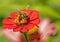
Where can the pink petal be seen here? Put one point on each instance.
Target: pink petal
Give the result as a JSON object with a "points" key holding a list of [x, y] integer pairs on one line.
{"points": [[52, 29], [11, 35], [43, 29], [44, 23]]}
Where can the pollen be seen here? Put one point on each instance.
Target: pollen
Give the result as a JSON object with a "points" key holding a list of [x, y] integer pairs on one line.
{"points": [[21, 19]]}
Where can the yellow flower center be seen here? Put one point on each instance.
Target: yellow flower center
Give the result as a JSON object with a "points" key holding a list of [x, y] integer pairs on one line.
{"points": [[21, 19]]}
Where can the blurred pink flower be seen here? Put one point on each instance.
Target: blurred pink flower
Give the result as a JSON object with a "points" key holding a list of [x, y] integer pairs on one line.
{"points": [[46, 29]]}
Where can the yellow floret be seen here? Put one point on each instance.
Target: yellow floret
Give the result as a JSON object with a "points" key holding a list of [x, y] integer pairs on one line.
{"points": [[23, 21], [33, 30]]}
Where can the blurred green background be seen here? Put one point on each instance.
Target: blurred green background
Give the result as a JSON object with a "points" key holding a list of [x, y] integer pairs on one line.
{"points": [[47, 8]]}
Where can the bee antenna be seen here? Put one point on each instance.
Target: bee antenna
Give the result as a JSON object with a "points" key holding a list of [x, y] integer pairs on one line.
{"points": [[19, 11], [27, 7]]}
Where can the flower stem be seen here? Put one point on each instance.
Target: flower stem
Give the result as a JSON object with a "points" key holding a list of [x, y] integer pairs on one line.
{"points": [[26, 37]]}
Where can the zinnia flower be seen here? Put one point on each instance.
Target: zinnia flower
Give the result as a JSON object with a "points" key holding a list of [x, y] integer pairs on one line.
{"points": [[23, 20]]}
